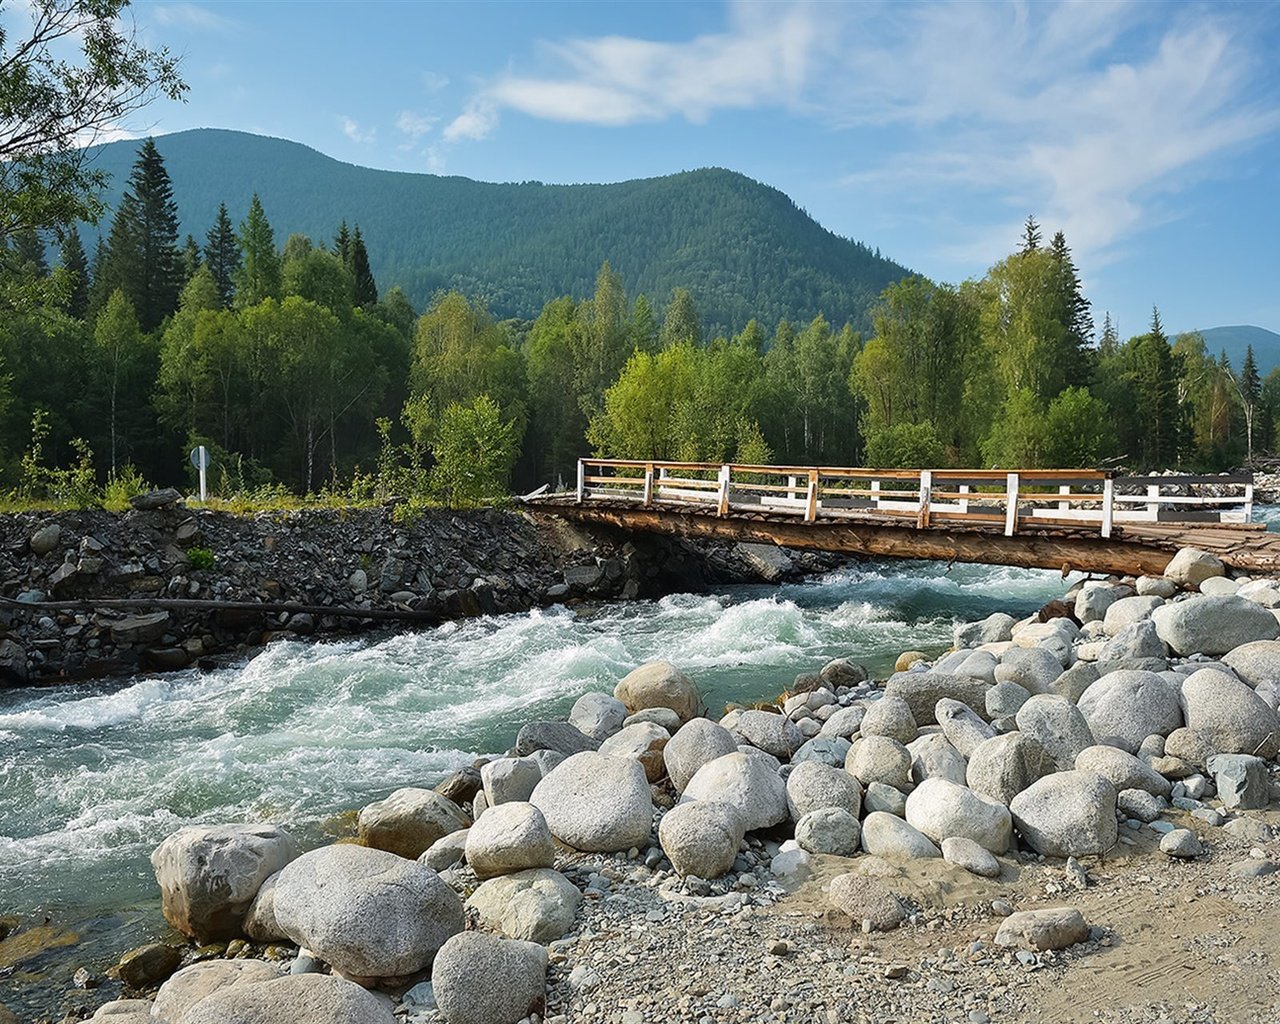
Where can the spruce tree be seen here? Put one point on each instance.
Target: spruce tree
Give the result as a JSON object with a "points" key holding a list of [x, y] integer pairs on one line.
{"points": [[100, 287], [680, 324], [190, 260], [1078, 317], [260, 275], [1030, 236], [1250, 392], [1110, 341], [342, 244], [30, 251], [76, 264], [222, 255], [366, 286]]}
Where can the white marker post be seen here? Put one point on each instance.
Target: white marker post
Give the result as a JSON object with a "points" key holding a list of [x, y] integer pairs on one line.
{"points": [[200, 459]]}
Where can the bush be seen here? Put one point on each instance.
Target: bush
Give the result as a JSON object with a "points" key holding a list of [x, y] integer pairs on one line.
{"points": [[475, 451], [200, 558], [905, 446]]}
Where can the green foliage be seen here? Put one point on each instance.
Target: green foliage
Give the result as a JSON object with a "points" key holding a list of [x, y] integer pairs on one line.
{"points": [[475, 450], [121, 486], [200, 558], [222, 255], [259, 275], [905, 446], [50, 486]]}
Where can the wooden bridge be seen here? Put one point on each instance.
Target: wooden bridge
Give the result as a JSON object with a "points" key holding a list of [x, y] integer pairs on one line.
{"points": [[1072, 520]]}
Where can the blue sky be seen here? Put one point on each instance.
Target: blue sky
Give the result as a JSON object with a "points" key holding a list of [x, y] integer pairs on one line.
{"points": [[1148, 132]]}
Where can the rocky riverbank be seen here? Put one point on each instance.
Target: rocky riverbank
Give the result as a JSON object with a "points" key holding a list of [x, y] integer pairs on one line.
{"points": [[191, 574], [1071, 816]]}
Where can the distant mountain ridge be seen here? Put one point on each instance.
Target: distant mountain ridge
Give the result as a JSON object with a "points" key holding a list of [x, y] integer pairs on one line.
{"points": [[1236, 340], [742, 248]]}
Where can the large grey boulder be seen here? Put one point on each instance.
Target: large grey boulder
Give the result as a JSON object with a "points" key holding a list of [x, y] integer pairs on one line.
{"points": [[596, 803], [747, 783], [1004, 766], [973, 857], [1127, 611], [962, 726], [1050, 928], [844, 724], [1057, 725], [940, 809], [659, 684], [1241, 781], [509, 837], [293, 999], [1213, 625], [774, 734], [1032, 668], [880, 759], [697, 742], [1190, 567], [1228, 715], [829, 830], [1095, 597], [813, 785], [192, 984], [1068, 814], [1257, 664], [887, 836], [509, 778], [368, 913], [1123, 708], [923, 690], [1004, 700], [209, 875], [45, 539], [561, 737], [597, 715], [866, 901], [830, 750], [642, 742], [537, 905], [1138, 640], [994, 629], [408, 821], [933, 757], [701, 837], [443, 853], [890, 716], [1122, 769], [481, 979], [1075, 680], [260, 922], [842, 672], [979, 665]]}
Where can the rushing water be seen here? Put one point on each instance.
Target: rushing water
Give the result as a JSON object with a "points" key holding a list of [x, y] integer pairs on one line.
{"points": [[93, 776]]}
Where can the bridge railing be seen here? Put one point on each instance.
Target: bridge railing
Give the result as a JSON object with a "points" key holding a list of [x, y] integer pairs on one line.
{"points": [[929, 497]]}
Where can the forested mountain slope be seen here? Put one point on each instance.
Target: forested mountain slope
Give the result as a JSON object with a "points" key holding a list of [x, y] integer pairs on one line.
{"points": [[1235, 342], [742, 248]]}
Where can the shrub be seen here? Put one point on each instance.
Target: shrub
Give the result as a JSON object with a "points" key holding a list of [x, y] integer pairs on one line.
{"points": [[905, 446], [200, 558]]}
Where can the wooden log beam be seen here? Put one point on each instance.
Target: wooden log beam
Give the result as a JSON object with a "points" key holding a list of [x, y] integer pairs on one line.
{"points": [[1025, 550]]}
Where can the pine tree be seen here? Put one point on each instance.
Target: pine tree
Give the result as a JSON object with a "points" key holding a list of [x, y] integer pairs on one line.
{"points": [[190, 259], [260, 276], [1110, 341], [222, 255], [143, 250], [30, 251], [342, 244], [76, 264], [366, 286], [680, 324], [99, 280], [1079, 318], [1030, 236], [1250, 389]]}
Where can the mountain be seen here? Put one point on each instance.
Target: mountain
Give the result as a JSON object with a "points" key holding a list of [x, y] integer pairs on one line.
{"points": [[742, 248], [1236, 340]]}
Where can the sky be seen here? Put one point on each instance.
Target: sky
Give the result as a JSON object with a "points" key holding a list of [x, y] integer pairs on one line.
{"points": [[1149, 133]]}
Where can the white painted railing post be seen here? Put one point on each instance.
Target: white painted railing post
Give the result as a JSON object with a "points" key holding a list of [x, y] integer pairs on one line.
{"points": [[648, 484], [1064, 506], [1153, 506], [1108, 506], [811, 501], [964, 502], [1011, 504], [926, 496], [875, 494], [1248, 502], [582, 481], [723, 505], [792, 487]]}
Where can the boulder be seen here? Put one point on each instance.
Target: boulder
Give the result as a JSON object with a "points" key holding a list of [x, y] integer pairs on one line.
{"points": [[774, 734], [149, 965], [368, 913], [1137, 640], [701, 837], [446, 852], [1075, 680], [1032, 668], [844, 724], [462, 786], [408, 821], [511, 837], [1006, 765], [866, 901], [994, 629], [933, 757], [260, 922], [745, 782], [659, 684], [1241, 781], [643, 743], [1213, 625], [1127, 611], [770, 562], [597, 715], [830, 830], [1229, 716], [830, 750], [940, 809], [664, 717], [563, 738], [890, 716], [537, 905], [1124, 708], [1122, 769], [209, 874], [979, 665], [696, 743], [118, 1011], [45, 539], [962, 727], [1156, 586], [1050, 928], [1219, 585], [481, 979], [192, 984], [1190, 567], [596, 803], [887, 836], [140, 629], [293, 999], [880, 759], [1095, 597], [1182, 843], [812, 785], [1004, 700], [973, 857], [1057, 725], [151, 500], [923, 690], [1140, 805], [1068, 814], [843, 672], [509, 778], [1257, 664]]}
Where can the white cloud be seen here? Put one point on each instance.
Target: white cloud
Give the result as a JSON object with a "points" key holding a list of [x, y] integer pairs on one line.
{"points": [[187, 15], [434, 81], [413, 124], [352, 130], [476, 121]]}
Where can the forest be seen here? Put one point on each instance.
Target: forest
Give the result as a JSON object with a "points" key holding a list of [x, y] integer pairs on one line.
{"points": [[302, 376]]}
